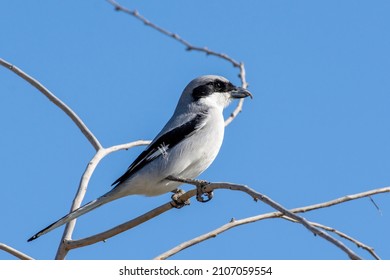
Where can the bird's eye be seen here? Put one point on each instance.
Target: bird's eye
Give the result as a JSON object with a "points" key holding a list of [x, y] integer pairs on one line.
{"points": [[218, 85]]}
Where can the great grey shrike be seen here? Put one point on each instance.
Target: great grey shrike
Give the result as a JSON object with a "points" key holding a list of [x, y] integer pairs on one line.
{"points": [[184, 148]]}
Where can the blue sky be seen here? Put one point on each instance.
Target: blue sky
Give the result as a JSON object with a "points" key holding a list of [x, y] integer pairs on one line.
{"points": [[317, 129]]}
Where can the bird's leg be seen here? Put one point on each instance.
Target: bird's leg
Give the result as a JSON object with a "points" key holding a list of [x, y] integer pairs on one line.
{"points": [[177, 202]]}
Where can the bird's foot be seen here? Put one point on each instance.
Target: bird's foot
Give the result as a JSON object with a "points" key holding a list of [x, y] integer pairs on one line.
{"points": [[201, 194], [177, 202]]}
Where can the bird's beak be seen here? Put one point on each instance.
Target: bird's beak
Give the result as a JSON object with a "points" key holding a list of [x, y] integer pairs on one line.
{"points": [[240, 92]]}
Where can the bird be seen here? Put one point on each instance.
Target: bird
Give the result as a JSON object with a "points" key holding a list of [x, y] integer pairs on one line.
{"points": [[184, 148]]}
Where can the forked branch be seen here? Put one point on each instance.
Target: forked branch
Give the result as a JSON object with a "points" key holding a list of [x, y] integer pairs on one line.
{"points": [[271, 215]]}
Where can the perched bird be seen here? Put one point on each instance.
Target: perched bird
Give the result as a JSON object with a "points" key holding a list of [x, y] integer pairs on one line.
{"points": [[184, 148]]}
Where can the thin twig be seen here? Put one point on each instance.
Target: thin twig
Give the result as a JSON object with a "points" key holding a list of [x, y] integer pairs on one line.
{"points": [[72, 244], [175, 36], [240, 103], [14, 252], [234, 223], [341, 234], [271, 215], [58, 102], [190, 47], [258, 196]]}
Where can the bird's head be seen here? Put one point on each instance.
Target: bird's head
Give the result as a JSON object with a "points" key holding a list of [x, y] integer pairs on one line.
{"points": [[211, 91]]}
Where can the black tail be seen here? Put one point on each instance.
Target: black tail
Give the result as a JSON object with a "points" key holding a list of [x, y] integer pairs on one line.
{"points": [[73, 215]]}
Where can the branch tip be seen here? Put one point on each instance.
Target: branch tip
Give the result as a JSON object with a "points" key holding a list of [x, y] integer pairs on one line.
{"points": [[188, 46]]}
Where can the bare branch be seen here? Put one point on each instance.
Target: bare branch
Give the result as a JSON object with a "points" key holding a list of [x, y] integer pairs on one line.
{"points": [[91, 166], [235, 223], [190, 47], [280, 208], [100, 154], [15, 252], [240, 104], [72, 244], [343, 199], [342, 235], [65, 108]]}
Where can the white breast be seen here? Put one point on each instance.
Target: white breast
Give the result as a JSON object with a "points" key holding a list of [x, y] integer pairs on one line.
{"points": [[187, 159]]}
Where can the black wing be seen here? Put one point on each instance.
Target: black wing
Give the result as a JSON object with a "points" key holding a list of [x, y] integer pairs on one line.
{"points": [[161, 146]]}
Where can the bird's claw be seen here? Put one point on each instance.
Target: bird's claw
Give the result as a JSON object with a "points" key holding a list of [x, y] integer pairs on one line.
{"points": [[177, 202], [201, 195]]}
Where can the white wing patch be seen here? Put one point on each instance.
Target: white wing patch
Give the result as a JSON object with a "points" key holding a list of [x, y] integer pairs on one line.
{"points": [[161, 150]]}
